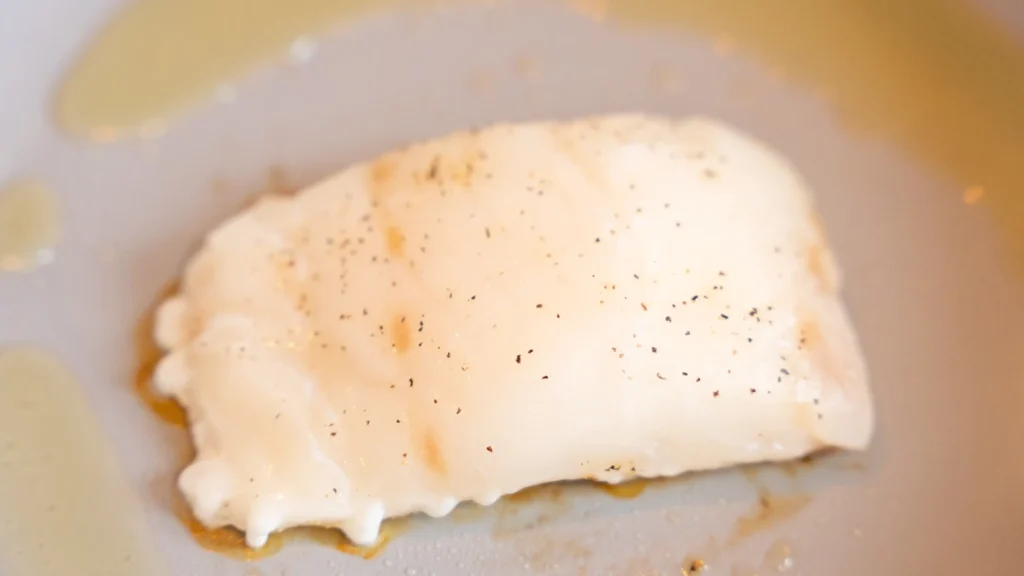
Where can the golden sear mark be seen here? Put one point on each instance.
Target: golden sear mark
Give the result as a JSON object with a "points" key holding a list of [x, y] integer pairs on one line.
{"points": [[808, 333], [401, 338], [148, 355], [819, 265], [817, 258], [461, 172], [395, 241], [458, 165], [823, 356], [432, 454], [382, 174]]}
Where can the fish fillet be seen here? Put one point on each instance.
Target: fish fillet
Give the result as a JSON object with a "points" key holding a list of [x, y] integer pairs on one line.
{"points": [[610, 298]]}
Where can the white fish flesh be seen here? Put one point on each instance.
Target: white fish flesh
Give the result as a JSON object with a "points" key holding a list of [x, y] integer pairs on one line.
{"points": [[609, 298]]}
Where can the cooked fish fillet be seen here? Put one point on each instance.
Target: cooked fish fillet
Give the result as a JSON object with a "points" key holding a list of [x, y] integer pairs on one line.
{"points": [[610, 298]]}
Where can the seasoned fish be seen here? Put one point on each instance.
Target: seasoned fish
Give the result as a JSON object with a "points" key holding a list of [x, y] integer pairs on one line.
{"points": [[609, 298]]}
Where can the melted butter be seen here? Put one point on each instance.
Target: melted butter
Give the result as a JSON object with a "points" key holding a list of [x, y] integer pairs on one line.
{"points": [[65, 507], [148, 355], [231, 542], [634, 488], [888, 71], [29, 225], [935, 77], [139, 71]]}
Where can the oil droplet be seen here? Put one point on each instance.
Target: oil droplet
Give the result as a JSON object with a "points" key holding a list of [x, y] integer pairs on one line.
{"points": [[779, 557], [68, 507], [138, 72], [29, 225], [954, 105]]}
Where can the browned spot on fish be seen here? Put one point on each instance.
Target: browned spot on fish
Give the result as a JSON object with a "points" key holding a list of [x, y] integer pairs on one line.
{"points": [[771, 509], [382, 175], [825, 358], [148, 355], [461, 171], [461, 165], [818, 265], [400, 336], [817, 259], [382, 171], [432, 454], [818, 224], [395, 241], [808, 333]]}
